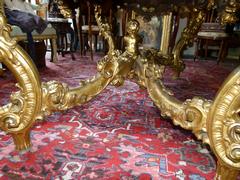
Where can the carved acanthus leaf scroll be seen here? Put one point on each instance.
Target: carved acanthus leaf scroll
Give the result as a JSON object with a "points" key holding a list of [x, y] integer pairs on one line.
{"points": [[18, 116]]}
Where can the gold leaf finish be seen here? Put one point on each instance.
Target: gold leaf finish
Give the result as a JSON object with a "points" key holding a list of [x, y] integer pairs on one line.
{"points": [[113, 69], [18, 116], [225, 172], [224, 121], [187, 37], [65, 10], [229, 15], [191, 114], [216, 123]]}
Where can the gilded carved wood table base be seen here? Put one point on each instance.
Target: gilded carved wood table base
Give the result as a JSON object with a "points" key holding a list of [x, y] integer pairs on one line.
{"points": [[215, 122]]}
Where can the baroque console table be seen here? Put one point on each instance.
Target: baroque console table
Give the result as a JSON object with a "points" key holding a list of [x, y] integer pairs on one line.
{"points": [[215, 122]]}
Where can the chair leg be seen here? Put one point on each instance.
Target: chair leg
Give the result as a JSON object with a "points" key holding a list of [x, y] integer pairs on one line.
{"points": [[53, 50], [220, 53], [224, 50], [95, 43], [62, 44], [206, 49], [72, 44], [196, 50], [91, 50], [66, 42]]}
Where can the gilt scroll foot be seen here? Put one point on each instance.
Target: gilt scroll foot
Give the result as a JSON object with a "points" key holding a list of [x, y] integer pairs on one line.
{"points": [[223, 124], [18, 116], [225, 172], [22, 140]]}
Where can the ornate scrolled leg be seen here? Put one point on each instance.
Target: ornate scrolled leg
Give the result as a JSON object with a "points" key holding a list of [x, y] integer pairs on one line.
{"points": [[113, 69], [191, 114], [187, 37], [17, 117], [224, 123], [216, 123], [224, 119], [22, 140], [196, 18], [225, 172], [58, 96]]}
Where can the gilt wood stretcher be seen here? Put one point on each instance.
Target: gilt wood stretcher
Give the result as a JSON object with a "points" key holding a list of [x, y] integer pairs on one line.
{"points": [[215, 122]]}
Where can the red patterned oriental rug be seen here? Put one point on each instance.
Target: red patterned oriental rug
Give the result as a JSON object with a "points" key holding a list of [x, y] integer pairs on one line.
{"points": [[118, 135]]}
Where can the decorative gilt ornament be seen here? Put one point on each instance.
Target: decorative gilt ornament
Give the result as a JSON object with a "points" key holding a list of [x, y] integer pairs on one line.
{"points": [[17, 117], [224, 121], [229, 15], [216, 123]]}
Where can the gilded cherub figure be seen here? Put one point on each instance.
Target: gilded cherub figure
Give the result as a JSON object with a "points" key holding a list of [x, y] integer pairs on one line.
{"points": [[132, 38], [118, 64]]}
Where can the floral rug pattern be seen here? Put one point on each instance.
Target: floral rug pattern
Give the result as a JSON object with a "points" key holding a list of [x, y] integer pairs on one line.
{"points": [[118, 135]]}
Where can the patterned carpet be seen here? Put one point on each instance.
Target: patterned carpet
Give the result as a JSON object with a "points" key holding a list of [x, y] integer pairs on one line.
{"points": [[118, 135]]}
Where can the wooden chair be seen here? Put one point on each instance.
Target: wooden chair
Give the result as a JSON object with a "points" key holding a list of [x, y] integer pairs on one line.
{"points": [[212, 35], [48, 34], [87, 25], [63, 28]]}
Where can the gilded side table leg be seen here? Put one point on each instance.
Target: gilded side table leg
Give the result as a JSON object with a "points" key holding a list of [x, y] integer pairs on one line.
{"points": [[113, 69], [22, 140], [166, 33], [216, 123], [187, 37], [191, 114], [17, 117], [223, 124], [225, 172]]}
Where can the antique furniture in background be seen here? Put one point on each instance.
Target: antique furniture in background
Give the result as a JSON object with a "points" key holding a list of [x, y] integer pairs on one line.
{"points": [[87, 27], [63, 29], [87, 24], [212, 34], [217, 34], [215, 122], [85, 35], [214, 37], [48, 34]]}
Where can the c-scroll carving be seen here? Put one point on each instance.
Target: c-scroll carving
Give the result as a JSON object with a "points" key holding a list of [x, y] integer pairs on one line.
{"points": [[224, 121], [191, 114], [18, 116], [196, 18], [113, 69]]}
